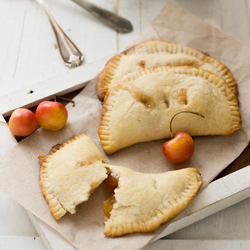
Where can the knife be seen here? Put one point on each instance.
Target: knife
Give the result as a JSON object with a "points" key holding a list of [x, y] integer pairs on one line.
{"points": [[115, 21]]}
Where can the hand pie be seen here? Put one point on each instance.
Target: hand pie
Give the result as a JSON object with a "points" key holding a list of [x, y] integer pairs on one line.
{"points": [[70, 173], [153, 53], [141, 202], [139, 107]]}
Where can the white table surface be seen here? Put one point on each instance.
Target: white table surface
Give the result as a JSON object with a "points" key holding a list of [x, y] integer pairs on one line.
{"points": [[29, 55]]}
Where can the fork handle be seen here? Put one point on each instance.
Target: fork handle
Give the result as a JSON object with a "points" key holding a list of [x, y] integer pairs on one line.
{"points": [[115, 21], [71, 55]]}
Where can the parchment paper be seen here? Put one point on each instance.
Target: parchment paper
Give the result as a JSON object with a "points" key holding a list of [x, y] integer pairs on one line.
{"points": [[19, 167]]}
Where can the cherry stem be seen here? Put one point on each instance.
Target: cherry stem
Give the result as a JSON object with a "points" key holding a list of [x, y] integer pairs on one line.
{"points": [[180, 113], [65, 99]]}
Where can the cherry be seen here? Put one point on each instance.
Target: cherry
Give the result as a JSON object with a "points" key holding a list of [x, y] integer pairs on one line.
{"points": [[51, 115], [22, 122], [180, 148]]}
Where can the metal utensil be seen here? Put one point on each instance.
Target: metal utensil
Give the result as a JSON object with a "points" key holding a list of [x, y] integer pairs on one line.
{"points": [[115, 21], [71, 55]]}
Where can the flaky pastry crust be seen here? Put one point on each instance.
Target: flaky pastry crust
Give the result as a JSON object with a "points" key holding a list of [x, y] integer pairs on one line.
{"points": [[73, 170], [70, 173], [139, 107], [153, 53], [144, 201]]}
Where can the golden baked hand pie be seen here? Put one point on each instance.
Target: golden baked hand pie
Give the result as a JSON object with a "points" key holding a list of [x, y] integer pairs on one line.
{"points": [[153, 53], [139, 107], [141, 202], [70, 173]]}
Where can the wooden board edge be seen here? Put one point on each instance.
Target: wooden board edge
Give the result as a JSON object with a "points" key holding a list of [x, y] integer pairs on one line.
{"points": [[199, 244], [51, 239], [69, 81], [217, 196]]}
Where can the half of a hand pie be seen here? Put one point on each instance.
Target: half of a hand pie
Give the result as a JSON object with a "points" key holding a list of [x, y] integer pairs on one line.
{"points": [[153, 53], [139, 108], [70, 173], [141, 202]]}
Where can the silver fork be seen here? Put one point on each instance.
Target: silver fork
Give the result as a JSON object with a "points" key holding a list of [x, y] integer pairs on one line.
{"points": [[71, 55]]}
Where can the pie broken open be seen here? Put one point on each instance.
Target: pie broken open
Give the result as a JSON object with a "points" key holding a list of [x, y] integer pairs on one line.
{"points": [[153, 53], [70, 173], [140, 106], [141, 202]]}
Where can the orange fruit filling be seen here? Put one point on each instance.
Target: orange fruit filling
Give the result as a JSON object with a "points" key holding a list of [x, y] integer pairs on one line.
{"points": [[111, 183], [108, 206]]}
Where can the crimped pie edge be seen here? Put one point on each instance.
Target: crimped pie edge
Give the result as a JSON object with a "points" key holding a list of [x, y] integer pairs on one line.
{"points": [[105, 77], [170, 211], [55, 206]]}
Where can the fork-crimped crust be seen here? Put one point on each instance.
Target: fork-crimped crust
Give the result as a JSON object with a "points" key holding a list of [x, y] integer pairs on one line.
{"points": [[139, 107], [144, 201], [70, 173], [153, 53]]}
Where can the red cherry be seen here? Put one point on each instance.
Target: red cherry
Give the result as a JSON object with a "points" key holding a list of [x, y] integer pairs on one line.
{"points": [[180, 148], [22, 122], [51, 115]]}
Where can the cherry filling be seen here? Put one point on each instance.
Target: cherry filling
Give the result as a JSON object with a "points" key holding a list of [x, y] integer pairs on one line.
{"points": [[108, 206], [111, 185]]}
